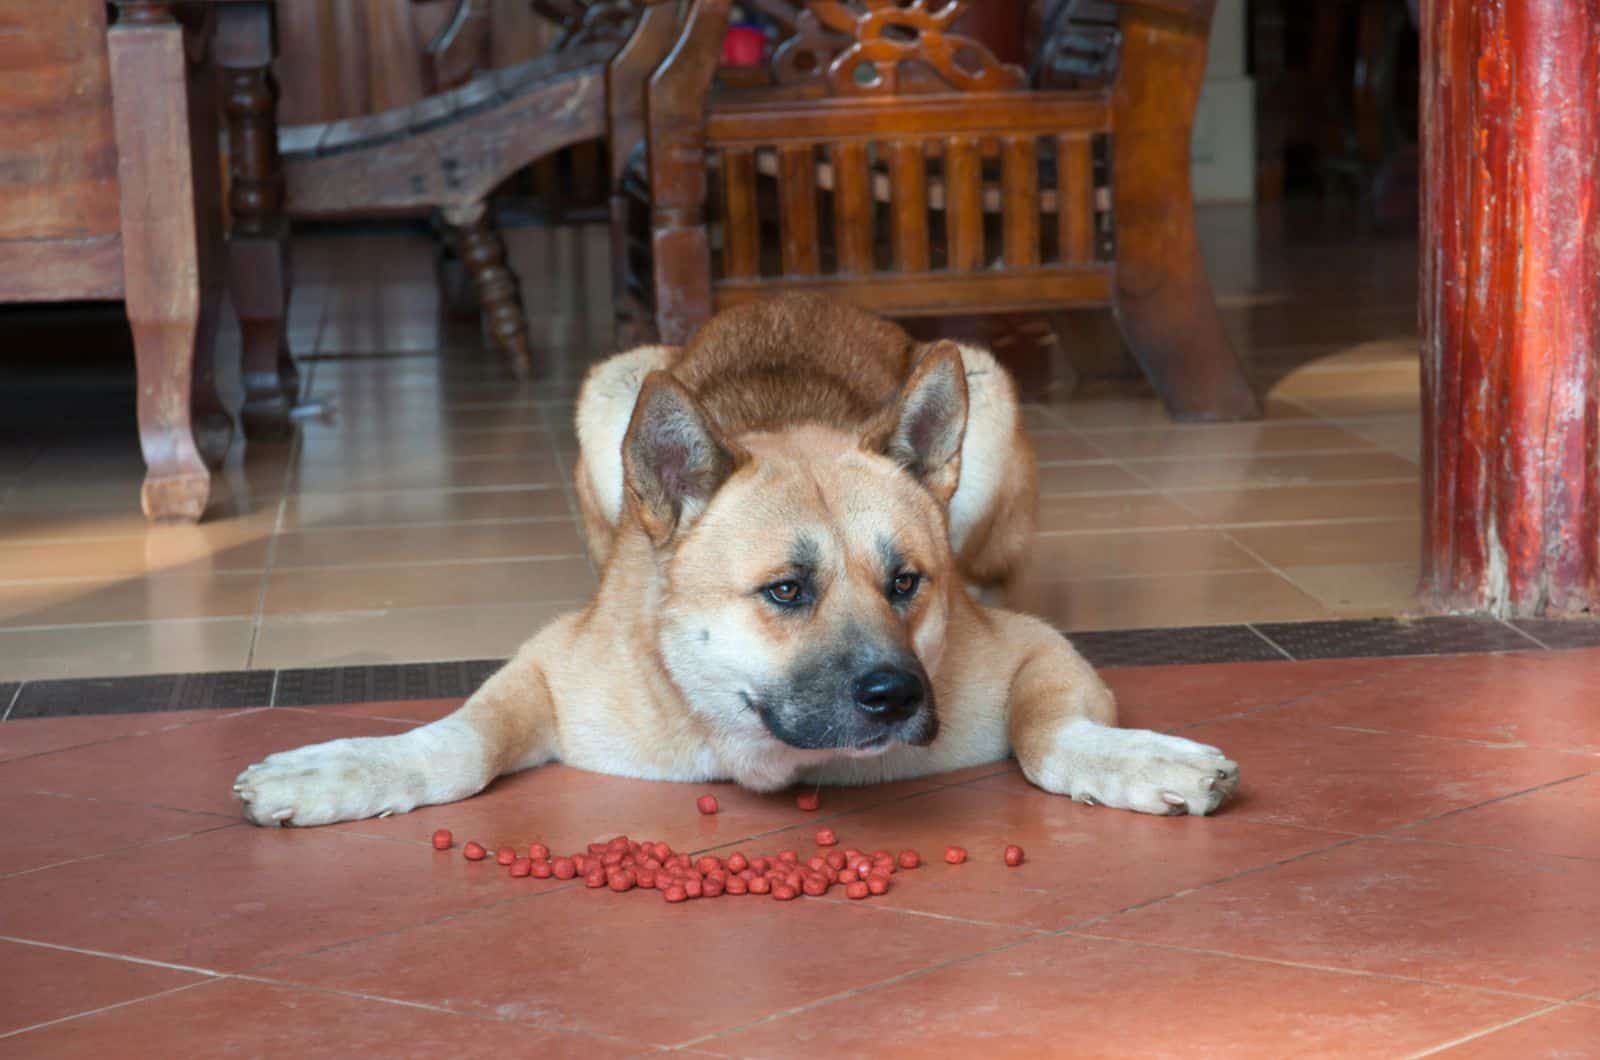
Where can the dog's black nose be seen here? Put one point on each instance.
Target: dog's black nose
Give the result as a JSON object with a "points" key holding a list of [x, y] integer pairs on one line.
{"points": [[889, 694]]}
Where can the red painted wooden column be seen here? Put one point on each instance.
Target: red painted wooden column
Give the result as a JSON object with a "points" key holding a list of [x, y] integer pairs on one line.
{"points": [[1511, 306]]}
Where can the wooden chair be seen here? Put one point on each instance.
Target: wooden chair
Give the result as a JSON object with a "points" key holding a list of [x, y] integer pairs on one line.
{"points": [[884, 159]]}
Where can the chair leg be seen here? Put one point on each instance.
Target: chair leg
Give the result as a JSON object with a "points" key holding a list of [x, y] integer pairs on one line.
{"points": [[484, 253]]}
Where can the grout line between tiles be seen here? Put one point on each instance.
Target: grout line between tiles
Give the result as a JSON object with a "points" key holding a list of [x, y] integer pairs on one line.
{"points": [[1279, 648], [1435, 1050], [39, 944], [108, 851], [11, 703], [109, 1008], [1523, 633]]}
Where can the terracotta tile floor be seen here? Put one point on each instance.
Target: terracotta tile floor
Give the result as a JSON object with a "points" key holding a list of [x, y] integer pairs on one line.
{"points": [[1410, 870], [427, 514]]}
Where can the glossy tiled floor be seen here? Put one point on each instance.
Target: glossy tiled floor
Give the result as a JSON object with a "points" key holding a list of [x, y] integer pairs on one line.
{"points": [[427, 514], [1411, 869]]}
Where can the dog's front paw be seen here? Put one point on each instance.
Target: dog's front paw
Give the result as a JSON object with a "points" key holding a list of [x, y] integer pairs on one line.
{"points": [[343, 780], [1135, 769]]}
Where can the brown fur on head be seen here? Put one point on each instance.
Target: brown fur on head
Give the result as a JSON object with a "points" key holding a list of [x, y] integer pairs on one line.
{"points": [[806, 573]]}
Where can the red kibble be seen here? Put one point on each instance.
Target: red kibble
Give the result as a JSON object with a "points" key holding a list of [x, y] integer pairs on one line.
{"points": [[857, 889], [785, 893], [737, 885], [816, 864], [594, 879], [538, 852], [562, 868], [521, 867], [597, 848], [622, 881], [877, 884], [955, 855], [788, 857], [761, 864], [815, 886], [836, 860], [612, 858], [675, 893], [886, 866], [760, 885], [706, 804], [693, 887], [910, 859], [712, 888], [474, 851], [1013, 856], [737, 862], [443, 840], [808, 800], [707, 864], [540, 870], [826, 837]]}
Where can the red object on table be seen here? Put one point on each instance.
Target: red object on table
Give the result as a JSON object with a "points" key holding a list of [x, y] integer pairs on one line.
{"points": [[743, 46]]}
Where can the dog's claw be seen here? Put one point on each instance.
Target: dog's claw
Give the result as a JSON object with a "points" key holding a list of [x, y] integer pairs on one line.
{"points": [[282, 815]]}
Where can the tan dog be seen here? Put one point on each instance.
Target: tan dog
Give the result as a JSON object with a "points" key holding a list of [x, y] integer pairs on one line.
{"points": [[785, 512]]}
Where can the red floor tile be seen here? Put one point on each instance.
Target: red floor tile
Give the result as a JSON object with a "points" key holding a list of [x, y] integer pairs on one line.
{"points": [[241, 1018], [1170, 697], [418, 710], [1466, 917], [1545, 699], [38, 735], [44, 829], [632, 965], [1565, 1034], [1082, 862], [1562, 819], [241, 896], [1361, 781], [192, 767], [38, 984], [1073, 997]]}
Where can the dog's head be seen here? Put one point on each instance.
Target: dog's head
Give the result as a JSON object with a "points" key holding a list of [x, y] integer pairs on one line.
{"points": [[806, 574]]}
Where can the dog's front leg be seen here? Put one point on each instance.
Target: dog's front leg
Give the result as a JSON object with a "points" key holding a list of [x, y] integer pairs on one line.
{"points": [[1062, 725], [507, 725]]}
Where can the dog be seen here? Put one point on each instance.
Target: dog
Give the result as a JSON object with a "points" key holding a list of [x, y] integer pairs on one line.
{"points": [[790, 515]]}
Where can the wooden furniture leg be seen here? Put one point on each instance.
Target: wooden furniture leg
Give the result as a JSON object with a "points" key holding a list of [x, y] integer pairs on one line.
{"points": [[164, 110], [1511, 307], [1162, 298], [484, 253], [258, 258]]}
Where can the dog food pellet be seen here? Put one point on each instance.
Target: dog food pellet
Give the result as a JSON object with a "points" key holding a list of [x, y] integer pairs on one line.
{"points": [[540, 870], [443, 840], [955, 855], [594, 879], [538, 851], [856, 889], [522, 867], [826, 837], [788, 857], [784, 893], [1013, 856], [814, 886], [563, 868], [737, 862], [808, 800], [910, 859], [694, 887], [473, 851], [622, 881], [737, 885], [505, 855], [760, 885], [706, 803], [675, 893], [877, 884]]}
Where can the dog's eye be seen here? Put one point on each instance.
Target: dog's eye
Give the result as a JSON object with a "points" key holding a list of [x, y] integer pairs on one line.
{"points": [[787, 592], [904, 584]]}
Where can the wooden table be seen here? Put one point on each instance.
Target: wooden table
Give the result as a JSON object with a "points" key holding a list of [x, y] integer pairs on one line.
{"points": [[112, 190]]}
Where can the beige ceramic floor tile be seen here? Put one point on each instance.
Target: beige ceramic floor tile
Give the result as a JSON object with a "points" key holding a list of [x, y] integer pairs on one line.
{"points": [[124, 648], [129, 599], [1052, 446], [1058, 479], [1112, 511], [1401, 436], [427, 544], [1218, 598], [1292, 469], [537, 470], [1188, 443], [476, 631], [1063, 557], [1322, 544], [182, 551], [428, 585], [1380, 392], [1284, 504], [316, 510], [1360, 588], [1129, 413]]}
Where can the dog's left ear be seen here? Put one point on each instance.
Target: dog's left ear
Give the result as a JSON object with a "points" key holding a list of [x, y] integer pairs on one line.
{"points": [[672, 458], [922, 429]]}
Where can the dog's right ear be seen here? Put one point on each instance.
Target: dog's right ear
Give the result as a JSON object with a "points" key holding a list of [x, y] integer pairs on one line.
{"points": [[672, 459]]}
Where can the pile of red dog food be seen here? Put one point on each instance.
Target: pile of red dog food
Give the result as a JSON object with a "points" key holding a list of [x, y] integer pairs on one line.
{"points": [[623, 864]]}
